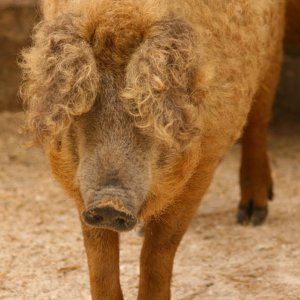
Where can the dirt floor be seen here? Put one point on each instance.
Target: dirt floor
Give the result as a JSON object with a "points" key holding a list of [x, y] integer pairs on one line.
{"points": [[42, 255]]}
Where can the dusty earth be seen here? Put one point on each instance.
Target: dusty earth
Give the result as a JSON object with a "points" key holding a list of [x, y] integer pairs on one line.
{"points": [[42, 255]]}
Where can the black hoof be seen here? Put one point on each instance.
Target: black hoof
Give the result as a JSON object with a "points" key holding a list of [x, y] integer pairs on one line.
{"points": [[251, 213], [259, 215], [244, 214]]}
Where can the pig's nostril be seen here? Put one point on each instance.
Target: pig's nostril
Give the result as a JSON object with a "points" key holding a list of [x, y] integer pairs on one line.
{"points": [[95, 215], [98, 218], [92, 217], [120, 222]]}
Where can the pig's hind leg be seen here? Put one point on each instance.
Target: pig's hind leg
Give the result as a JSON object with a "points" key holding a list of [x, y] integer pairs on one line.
{"points": [[255, 174]]}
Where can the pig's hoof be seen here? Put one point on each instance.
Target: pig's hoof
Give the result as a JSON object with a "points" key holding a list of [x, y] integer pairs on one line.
{"points": [[251, 213], [259, 215]]}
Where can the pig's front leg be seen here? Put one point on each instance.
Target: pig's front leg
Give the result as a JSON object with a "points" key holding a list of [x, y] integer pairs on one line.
{"points": [[163, 234], [102, 248]]}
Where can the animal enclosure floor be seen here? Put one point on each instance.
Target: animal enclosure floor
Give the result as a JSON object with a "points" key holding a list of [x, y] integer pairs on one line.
{"points": [[42, 255]]}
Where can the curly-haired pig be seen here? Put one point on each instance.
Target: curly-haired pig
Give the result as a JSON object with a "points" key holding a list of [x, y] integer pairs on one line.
{"points": [[136, 102]]}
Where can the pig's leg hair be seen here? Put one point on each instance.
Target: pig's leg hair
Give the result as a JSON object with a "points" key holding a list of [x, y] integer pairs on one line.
{"points": [[102, 248]]}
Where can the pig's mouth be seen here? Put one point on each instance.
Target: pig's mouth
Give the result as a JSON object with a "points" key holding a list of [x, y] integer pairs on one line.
{"points": [[109, 217]]}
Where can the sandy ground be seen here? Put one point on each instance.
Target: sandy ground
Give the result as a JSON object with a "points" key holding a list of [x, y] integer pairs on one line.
{"points": [[42, 255]]}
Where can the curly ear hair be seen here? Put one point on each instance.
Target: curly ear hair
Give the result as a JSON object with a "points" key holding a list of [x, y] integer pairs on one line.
{"points": [[60, 77], [159, 82]]}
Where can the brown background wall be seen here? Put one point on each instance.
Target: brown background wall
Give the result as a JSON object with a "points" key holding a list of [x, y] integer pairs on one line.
{"points": [[16, 21], [288, 97], [18, 16]]}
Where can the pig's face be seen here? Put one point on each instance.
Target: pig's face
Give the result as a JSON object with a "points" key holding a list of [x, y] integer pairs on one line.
{"points": [[108, 104], [113, 159]]}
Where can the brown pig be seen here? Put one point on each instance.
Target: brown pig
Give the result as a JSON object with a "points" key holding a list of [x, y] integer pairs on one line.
{"points": [[136, 102]]}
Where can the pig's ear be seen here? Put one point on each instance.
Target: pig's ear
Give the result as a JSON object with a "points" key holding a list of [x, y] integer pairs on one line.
{"points": [[60, 77], [160, 81]]}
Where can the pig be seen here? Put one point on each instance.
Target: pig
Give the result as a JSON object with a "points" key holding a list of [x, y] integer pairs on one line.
{"points": [[135, 102]]}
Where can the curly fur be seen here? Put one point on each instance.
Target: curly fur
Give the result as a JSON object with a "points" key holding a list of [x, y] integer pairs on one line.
{"points": [[115, 29], [158, 56], [60, 77], [159, 82], [61, 70]]}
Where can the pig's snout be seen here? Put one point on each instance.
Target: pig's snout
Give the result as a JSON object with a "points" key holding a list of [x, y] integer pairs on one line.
{"points": [[110, 218], [111, 215]]}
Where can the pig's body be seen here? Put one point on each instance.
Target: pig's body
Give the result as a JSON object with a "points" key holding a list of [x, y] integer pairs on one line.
{"points": [[139, 102]]}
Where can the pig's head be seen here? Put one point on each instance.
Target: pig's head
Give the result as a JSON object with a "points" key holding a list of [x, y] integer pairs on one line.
{"points": [[106, 97]]}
